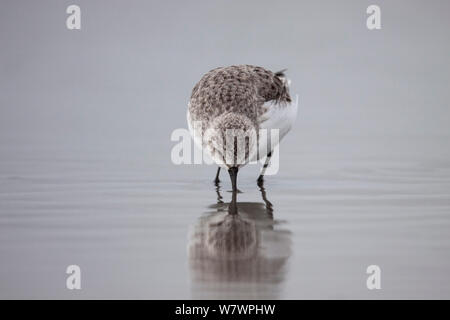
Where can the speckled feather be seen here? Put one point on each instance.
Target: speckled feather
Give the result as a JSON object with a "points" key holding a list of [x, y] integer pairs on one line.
{"points": [[246, 98], [241, 89]]}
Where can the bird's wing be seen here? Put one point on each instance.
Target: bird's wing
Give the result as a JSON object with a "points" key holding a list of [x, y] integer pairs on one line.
{"points": [[276, 116], [276, 110]]}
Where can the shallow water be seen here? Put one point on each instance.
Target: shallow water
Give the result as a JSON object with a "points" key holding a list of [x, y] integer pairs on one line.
{"points": [[141, 227], [86, 177]]}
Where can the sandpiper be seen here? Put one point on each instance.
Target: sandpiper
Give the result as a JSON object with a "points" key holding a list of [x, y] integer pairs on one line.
{"points": [[240, 99]]}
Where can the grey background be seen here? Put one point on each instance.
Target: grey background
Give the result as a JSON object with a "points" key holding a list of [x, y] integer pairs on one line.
{"points": [[86, 118]]}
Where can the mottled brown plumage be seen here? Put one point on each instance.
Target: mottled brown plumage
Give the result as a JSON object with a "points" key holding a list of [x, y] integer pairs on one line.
{"points": [[239, 89], [228, 108]]}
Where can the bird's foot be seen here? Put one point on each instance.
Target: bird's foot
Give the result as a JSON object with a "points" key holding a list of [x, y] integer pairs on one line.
{"points": [[260, 180]]}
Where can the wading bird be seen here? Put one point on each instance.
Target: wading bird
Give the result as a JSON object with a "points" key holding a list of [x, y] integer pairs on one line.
{"points": [[237, 102]]}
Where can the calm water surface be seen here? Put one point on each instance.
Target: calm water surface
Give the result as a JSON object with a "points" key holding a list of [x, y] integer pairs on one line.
{"points": [[86, 177], [141, 227]]}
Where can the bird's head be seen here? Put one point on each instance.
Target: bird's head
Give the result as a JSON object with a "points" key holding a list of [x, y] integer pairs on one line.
{"points": [[231, 140]]}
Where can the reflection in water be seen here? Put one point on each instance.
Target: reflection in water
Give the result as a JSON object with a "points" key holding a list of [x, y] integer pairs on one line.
{"points": [[239, 255]]}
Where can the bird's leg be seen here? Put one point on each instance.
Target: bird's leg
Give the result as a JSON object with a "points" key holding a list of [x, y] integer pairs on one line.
{"points": [[266, 164], [233, 204], [269, 206], [216, 180], [219, 196]]}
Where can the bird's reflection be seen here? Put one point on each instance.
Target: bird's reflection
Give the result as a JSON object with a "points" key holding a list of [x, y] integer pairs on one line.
{"points": [[238, 254]]}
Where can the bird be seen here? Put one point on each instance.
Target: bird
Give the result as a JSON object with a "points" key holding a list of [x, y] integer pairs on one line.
{"points": [[239, 101]]}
